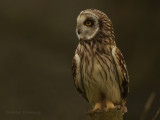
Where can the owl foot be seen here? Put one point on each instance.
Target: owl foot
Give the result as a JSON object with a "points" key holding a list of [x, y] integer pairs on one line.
{"points": [[97, 107], [109, 105], [113, 108], [117, 107]]}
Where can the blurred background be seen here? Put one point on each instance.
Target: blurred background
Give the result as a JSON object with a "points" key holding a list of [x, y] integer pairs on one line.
{"points": [[37, 44]]}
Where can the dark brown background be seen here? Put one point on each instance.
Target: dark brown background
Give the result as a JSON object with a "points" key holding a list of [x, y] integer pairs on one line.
{"points": [[37, 43]]}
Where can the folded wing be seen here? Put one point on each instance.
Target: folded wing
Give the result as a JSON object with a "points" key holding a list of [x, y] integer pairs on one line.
{"points": [[122, 72], [76, 63]]}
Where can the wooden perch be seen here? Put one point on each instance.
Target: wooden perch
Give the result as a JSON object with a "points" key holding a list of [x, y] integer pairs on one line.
{"points": [[105, 115]]}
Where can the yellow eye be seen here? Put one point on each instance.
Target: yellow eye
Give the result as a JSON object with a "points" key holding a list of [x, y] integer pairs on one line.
{"points": [[88, 23]]}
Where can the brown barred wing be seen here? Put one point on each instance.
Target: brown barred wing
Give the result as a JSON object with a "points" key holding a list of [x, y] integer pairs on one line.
{"points": [[122, 72], [78, 82]]}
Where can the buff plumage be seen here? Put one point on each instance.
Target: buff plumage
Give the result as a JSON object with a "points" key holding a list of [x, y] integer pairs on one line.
{"points": [[99, 69]]}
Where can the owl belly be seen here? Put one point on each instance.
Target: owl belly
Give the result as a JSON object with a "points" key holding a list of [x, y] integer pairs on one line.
{"points": [[101, 81]]}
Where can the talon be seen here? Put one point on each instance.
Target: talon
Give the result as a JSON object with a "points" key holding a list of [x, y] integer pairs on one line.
{"points": [[109, 105], [97, 107]]}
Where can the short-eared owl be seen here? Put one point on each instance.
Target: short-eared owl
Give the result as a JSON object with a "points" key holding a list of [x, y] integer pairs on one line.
{"points": [[99, 69]]}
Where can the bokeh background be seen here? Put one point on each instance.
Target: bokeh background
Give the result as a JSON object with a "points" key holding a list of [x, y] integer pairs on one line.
{"points": [[37, 43]]}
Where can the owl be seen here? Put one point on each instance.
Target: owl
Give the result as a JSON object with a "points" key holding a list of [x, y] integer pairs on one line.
{"points": [[98, 66]]}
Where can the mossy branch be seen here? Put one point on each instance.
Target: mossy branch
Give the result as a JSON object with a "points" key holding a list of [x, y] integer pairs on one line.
{"points": [[105, 115]]}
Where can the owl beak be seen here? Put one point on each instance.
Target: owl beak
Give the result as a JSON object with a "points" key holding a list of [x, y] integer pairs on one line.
{"points": [[79, 31]]}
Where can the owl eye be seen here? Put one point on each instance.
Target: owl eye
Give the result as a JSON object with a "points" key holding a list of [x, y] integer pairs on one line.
{"points": [[88, 23]]}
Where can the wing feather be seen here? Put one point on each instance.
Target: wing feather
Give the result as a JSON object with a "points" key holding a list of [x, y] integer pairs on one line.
{"points": [[122, 72], [78, 82]]}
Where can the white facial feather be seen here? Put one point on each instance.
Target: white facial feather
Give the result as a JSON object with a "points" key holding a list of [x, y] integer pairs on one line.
{"points": [[87, 32]]}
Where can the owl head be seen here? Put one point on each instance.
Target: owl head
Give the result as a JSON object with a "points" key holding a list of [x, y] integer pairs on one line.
{"points": [[92, 23]]}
